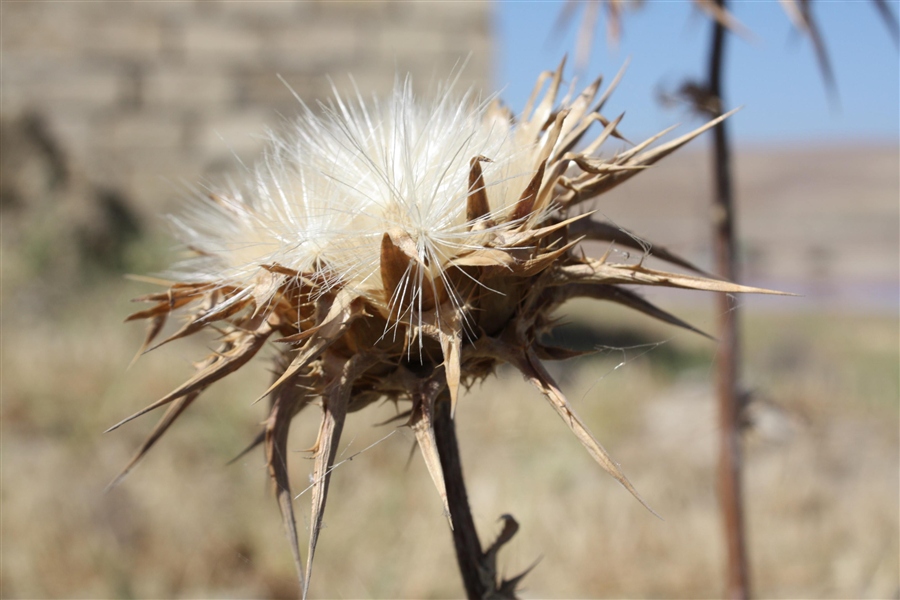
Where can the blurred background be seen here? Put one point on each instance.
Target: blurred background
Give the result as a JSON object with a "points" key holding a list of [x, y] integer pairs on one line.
{"points": [[108, 110]]}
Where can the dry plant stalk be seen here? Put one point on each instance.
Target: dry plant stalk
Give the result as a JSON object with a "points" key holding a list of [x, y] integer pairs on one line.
{"points": [[401, 251], [799, 12], [707, 99]]}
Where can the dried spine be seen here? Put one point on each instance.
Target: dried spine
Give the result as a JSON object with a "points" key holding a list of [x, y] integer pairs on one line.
{"points": [[402, 251]]}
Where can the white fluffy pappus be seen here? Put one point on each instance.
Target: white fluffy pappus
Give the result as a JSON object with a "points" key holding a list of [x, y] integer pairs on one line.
{"points": [[329, 187]]}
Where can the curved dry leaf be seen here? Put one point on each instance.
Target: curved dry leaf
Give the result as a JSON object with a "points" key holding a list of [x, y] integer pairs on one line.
{"points": [[530, 366], [609, 129], [344, 309], [334, 412], [546, 352], [545, 109], [593, 187], [800, 14], [477, 206], [422, 424], [232, 357], [451, 346], [484, 257], [594, 271], [277, 429], [257, 441], [525, 204], [599, 231], [198, 322], [725, 18], [154, 327], [510, 528], [890, 20], [544, 261], [171, 414], [162, 308], [600, 291]]}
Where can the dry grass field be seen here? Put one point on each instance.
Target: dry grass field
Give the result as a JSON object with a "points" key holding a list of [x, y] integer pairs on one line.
{"points": [[822, 442]]}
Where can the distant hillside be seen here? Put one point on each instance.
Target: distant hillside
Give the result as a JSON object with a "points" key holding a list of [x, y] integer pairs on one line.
{"points": [[821, 222]]}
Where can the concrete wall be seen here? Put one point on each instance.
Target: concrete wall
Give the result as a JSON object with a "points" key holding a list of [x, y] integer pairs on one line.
{"points": [[137, 97]]}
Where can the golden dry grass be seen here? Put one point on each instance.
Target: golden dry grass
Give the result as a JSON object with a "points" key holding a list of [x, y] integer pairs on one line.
{"points": [[823, 466], [822, 478]]}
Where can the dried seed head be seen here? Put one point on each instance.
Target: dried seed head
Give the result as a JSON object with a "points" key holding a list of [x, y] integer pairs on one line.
{"points": [[401, 250]]}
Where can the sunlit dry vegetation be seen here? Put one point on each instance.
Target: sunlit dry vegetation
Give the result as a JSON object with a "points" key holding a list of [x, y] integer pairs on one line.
{"points": [[822, 472], [480, 200]]}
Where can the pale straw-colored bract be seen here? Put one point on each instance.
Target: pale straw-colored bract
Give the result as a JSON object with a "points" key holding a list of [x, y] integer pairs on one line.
{"points": [[397, 250]]}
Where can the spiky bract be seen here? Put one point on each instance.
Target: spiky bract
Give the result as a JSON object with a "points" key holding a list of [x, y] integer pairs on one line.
{"points": [[400, 250]]}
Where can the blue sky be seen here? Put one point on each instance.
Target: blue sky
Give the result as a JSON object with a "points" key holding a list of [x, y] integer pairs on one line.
{"points": [[774, 76]]}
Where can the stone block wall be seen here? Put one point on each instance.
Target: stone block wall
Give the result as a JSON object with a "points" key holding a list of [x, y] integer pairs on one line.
{"points": [[139, 97]]}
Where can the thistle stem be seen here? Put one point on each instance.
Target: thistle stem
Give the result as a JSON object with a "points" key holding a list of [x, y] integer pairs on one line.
{"points": [[469, 554], [727, 371]]}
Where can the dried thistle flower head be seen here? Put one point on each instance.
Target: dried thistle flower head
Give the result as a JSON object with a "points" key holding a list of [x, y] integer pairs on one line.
{"points": [[400, 250]]}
